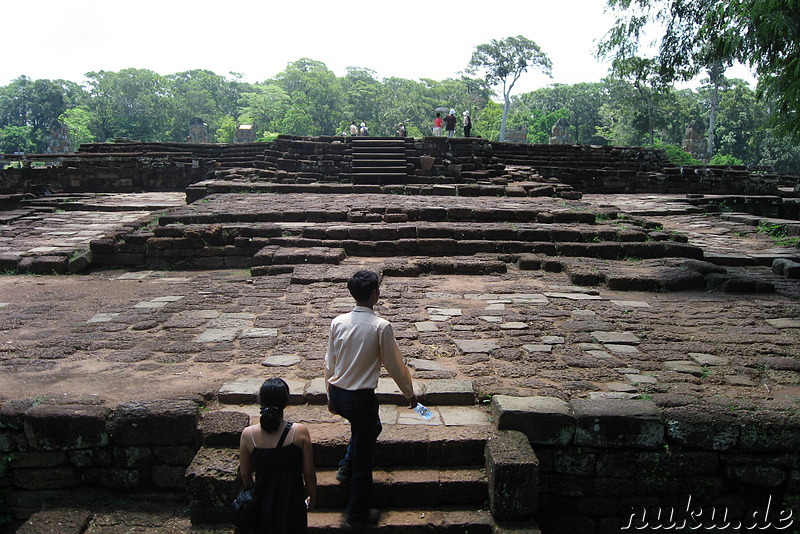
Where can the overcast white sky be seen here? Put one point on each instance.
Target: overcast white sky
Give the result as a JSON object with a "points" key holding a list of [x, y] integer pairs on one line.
{"points": [[407, 38]]}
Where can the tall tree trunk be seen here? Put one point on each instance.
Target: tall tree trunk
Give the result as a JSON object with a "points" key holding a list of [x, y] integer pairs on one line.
{"points": [[715, 74], [506, 105]]}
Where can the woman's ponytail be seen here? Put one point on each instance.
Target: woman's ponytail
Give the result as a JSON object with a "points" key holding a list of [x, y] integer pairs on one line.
{"points": [[270, 418], [273, 397]]}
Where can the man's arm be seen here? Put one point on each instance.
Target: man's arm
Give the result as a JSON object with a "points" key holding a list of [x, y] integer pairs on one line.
{"points": [[330, 362], [392, 360]]}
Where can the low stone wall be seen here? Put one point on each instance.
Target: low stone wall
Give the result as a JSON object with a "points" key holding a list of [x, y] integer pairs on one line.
{"points": [[52, 454], [625, 465], [100, 173], [620, 169], [131, 167]]}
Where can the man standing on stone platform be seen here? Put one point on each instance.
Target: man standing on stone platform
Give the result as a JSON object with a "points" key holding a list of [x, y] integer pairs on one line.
{"points": [[450, 123], [360, 342]]}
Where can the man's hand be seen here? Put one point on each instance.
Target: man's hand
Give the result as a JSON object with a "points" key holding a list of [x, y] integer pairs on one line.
{"points": [[412, 402]]}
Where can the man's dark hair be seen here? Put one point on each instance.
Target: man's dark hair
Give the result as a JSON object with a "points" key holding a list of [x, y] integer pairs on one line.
{"points": [[362, 284]]}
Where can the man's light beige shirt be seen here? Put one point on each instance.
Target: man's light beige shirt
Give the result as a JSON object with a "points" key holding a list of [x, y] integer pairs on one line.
{"points": [[358, 343]]}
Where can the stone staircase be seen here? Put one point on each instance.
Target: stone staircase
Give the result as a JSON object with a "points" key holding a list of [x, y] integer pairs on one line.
{"points": [[380, 160], [429, 476]]}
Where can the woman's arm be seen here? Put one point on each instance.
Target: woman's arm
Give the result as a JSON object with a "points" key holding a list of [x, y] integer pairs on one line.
{"points": [[245, 458], [303, 439]]}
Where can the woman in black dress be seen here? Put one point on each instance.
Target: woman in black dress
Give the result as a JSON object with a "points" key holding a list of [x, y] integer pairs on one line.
{"points": [[279, 455]]}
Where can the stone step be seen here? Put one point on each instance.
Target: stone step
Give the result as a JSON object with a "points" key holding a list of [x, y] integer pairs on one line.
{"points": [[382, 168], [380, 178], [277, 255], [435, 464], [243, 392], [413, 521]]}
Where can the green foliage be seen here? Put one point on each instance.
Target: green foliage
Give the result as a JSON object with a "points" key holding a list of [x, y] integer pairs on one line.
{"points": [[677, 156], [130, 103], [16, 139], [778, 233], [263, 106], [541, 124], [725, 159], [227, 130], [699, 34], [79, 120]]}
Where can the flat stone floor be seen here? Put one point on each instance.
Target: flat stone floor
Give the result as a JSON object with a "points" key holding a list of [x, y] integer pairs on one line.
{"points": [[113, 336]]}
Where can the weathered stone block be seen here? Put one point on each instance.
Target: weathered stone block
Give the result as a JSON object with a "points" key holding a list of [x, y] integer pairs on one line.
{"points": [[113, 477], [512, 472], [544, 420], [162, 422], [759, 433], [132, 457], [97, 457], [22, 460], [46, 478], [179, 456], [49, 428], [701, 428], [169, 476], [223, 429], [213, 474], [59, 520], [618, 423]]}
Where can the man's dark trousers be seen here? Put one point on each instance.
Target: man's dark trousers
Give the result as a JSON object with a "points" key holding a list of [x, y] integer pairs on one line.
{"points": [[360, 408]]}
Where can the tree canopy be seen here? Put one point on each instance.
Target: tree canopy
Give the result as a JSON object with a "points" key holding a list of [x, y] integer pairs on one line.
{"points": [[504, 61], [633, 106], [695, 35]]}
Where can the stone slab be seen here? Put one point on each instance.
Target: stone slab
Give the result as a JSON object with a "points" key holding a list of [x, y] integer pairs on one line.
{"points": [[281, 360], [450, 312], [631, 304], [573, 296], [453, 392], [543, 420], [685, 367], [636, 379], [102, 317], [150, 304], [463, 415], [784, 322], [480, 346], [537, 347], [702, 358], [425, 365], [217, 335], [258, 333], [615, 338], [622, 349], [426, 326]]}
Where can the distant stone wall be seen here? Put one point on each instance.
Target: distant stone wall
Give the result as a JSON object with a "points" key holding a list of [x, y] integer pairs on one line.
{"points": [[49, 454], [609, 466], [101, 173], [619, 169], [137, 166]]}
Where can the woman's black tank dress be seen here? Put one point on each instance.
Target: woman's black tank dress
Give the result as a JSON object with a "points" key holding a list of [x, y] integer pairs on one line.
{"points": [[280, 492]]}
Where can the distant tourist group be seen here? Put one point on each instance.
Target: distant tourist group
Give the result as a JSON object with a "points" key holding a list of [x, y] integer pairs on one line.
{"points": [[447, 124]]}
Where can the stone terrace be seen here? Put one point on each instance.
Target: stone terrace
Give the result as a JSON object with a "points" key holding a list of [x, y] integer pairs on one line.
{"points": [[503, 284]]}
